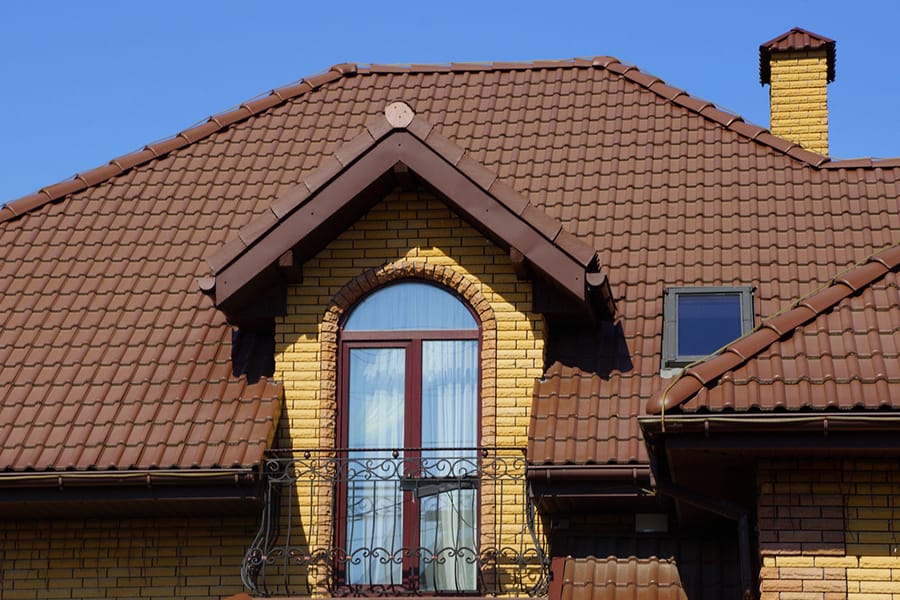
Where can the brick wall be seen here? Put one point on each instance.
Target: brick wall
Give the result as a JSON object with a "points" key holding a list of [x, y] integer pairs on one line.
{"points": [[409, 234], [829, 529], [798, 98], [134, 558]]}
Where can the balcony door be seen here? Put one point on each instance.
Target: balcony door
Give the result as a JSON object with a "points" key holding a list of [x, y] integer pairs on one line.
{"points": [[409, 378]]}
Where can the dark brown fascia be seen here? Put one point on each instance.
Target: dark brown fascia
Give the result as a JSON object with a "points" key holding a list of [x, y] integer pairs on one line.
{"points": [[135, 478], [130, 493], [775, 433], [361, 172], [686, 385]]}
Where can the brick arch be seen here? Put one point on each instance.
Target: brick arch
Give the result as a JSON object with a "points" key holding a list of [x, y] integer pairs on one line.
{"points": [[468, 290]]}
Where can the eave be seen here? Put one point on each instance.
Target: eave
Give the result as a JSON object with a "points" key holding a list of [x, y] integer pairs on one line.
{"points": [[396, 146], [131, 493]]}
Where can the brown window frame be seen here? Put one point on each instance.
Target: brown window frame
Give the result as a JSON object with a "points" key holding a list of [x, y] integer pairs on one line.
{"points": [[411, 340]]}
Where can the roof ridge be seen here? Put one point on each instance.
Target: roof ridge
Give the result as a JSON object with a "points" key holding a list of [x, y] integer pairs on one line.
{"points": [[278, 96], [709, 110], [781, 324]]}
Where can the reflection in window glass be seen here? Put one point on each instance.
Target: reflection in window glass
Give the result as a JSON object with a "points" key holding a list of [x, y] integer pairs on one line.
{"points": [[374, 506], [706, 322], [447, 528], [411, 371], [410, 306]]}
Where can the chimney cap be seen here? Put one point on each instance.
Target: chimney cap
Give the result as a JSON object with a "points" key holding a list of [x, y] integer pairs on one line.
{"points": [[795, 39]]}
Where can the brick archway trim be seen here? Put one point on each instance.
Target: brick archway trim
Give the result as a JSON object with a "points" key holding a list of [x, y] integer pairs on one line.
{"points": [[467, 288]]}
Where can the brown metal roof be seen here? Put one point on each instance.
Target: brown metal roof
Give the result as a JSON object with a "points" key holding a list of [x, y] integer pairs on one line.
{"points": [[615, 578], [103, 322], [796, 39], [838, 348]]}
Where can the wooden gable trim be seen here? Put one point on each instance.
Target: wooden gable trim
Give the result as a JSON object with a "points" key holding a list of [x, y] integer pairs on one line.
{"points": [[363, 172]]}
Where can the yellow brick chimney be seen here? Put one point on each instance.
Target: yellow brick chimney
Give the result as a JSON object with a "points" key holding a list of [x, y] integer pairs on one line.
{"points": [[798, 65]]}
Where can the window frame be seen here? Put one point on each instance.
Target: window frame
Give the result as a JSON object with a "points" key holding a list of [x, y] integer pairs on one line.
{"points": [[411, 340], [670, 356]]}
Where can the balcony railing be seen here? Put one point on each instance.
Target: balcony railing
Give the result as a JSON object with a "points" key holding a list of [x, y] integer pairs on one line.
{"points": [[380, 522]]}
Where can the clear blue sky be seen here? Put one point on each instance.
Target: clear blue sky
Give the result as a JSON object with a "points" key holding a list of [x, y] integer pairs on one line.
{"points": [[84, 82]]}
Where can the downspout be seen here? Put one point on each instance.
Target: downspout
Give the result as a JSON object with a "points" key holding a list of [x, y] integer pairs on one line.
{"points": [[722, 508]]}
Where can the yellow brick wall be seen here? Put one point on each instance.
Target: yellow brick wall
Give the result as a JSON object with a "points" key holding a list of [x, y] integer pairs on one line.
{"points": [[410, 233], [798, 98], [411, 228], [830, 529], [129, 558]]}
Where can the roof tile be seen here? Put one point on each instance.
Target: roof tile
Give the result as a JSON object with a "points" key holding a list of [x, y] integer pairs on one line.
{"points": [[835, 341], [617, 578], [665, 194]]}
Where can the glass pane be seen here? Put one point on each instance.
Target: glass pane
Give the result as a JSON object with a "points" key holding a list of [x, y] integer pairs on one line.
{"points": [[374, 499], [449, 557], [410, 305], [449, 405], [377, 379], [706, 322]]}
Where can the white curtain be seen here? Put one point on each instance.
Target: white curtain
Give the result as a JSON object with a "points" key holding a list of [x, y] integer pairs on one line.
{"points": [[449, 420], [374, 499]]}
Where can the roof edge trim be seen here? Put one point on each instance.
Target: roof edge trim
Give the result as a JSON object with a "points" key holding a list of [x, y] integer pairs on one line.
{"points": [[214, 124], [441, 164]]}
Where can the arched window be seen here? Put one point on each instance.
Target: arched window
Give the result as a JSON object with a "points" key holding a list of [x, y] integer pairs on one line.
{"points": [[409, 414]]}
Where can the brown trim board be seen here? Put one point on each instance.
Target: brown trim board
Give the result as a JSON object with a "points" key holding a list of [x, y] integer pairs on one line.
{"points": [[358, 176]]}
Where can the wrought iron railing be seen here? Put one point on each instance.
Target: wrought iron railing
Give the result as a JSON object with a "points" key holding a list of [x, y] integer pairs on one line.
{"points": [[379, 522]]}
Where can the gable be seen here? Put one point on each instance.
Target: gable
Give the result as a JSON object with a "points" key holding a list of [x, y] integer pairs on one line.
{"points": [[361, 172]]}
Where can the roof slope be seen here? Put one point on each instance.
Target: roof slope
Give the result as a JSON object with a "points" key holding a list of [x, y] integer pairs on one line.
{"points": [[671, 190], [615, 578], [838, 348]]}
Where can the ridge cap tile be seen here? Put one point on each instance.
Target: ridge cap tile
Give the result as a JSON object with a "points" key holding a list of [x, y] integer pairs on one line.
{"points": [[889, 257], [356, 147], [861, 276], [293, 198], [444, 147], [785, 323], [478, 173]]}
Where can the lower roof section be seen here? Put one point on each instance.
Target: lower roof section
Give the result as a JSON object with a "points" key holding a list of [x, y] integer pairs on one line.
{"points": [[834, 349], [616, 578]]}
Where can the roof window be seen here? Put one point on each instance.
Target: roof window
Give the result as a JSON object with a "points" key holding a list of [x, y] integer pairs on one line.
{"points": [[700, 320]]}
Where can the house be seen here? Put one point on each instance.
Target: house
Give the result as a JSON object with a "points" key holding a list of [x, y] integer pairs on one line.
{"points": [[551, 329]]}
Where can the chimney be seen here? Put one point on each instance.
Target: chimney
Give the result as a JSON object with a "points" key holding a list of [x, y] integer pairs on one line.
{"points": [[798, 65]]}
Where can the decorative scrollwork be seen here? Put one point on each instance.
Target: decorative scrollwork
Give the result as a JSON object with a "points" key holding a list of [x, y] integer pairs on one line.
{"points": [[333, 522]]}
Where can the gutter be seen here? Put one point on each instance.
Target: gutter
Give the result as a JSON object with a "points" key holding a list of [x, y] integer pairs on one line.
{"points": [[147, 478], [586, 473], [771, 421]]}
